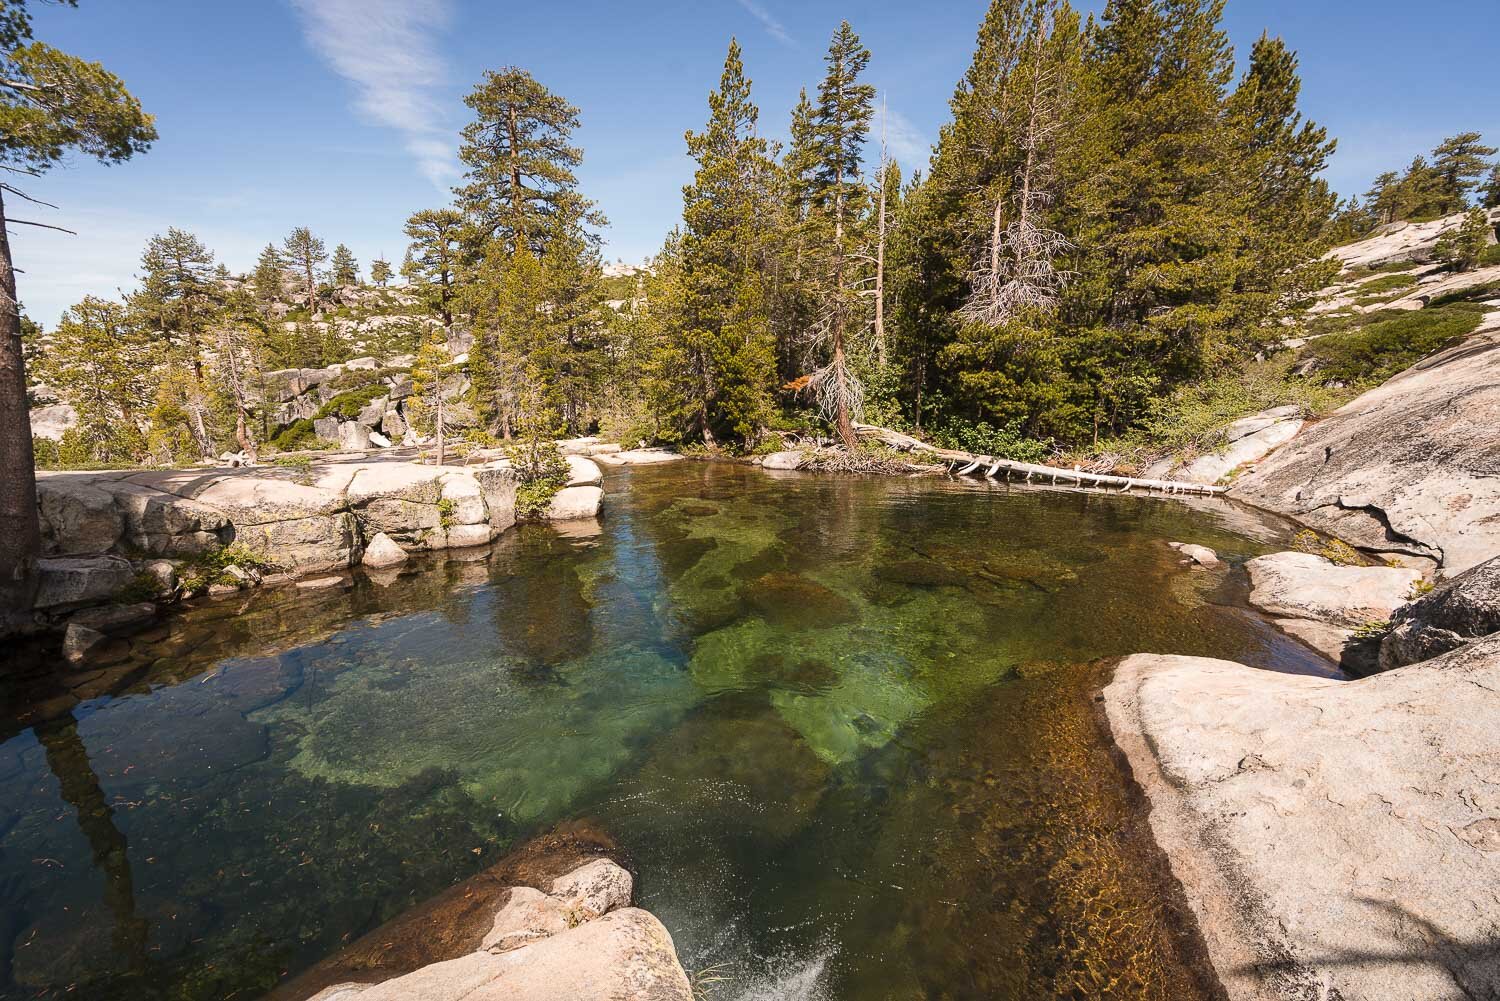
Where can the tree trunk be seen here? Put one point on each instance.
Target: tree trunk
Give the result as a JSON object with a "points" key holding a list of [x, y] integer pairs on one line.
{"points": [[845, 427], [440, 420], [20, 533], [880, 278], [515, 183]]}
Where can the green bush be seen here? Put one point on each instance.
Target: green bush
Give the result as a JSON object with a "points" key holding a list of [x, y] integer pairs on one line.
{"points": [[1335, 551], [208, 568], [1371, 354], [983, 438], [346, 406], [297, 435], [1490, 257], [541, 471], [1390, 283]]}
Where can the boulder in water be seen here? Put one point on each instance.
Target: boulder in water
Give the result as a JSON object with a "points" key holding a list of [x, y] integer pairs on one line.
{"points": [[383, 552]]}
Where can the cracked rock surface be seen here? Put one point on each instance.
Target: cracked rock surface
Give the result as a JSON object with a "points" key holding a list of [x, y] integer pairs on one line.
{"points": [[1411, 467], [1336, 839]]}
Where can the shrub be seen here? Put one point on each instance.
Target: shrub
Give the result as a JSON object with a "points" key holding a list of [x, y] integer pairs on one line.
{"points": [[983, 438], [346, 406], [1380, 350], [1390, 283], [541, 471], [209, 568], [297, 435], [1334, 551]]}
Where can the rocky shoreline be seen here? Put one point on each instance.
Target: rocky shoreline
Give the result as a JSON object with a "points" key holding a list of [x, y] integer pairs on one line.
{"points": [[1335, 839], [551, 920]]}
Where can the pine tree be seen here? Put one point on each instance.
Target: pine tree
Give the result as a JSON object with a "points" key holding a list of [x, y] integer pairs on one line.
{"points": [[841, 124], [1459, 162], [1383, 199], [1005, 165], [1489, 195], [723, 337], [521, 164], [178, 297], [98, 362], [239, 337], [1422, 194], [791, 297], [1166, 250], [380, 271], [305, 254], [429, 406], [345, 267], [51, 104], [432, 260], [270, 272], [1463, 245], [887, 197], [1285, 203]]}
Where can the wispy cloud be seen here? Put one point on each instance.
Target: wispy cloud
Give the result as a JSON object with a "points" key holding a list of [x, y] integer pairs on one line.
{"points": [[773, 27], [904, 141], [388, 50]]}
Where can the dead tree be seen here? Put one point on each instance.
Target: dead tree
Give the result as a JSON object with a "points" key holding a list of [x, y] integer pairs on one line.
{"points": [[1016, 273]]}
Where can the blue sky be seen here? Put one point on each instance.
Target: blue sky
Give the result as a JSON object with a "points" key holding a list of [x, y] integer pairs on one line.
{"points": [[343, 115]]}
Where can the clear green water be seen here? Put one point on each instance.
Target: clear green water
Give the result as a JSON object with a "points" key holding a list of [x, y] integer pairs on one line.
{"points": [[843, 728]]}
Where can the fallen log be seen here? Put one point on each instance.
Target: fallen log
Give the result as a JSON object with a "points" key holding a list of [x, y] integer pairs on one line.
{"points": [[965, 463]]}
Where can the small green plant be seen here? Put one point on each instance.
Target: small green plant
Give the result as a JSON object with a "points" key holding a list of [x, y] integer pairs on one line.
{"points": [[446, 507], [1374, 629], [1334, 551], [1419, 588], [707, 982], [211, 567], [541, 471], [144, 586]]}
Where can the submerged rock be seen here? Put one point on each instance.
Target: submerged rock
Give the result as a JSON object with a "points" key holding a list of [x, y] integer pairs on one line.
{"points": [[795, 602], [1335, 839]]}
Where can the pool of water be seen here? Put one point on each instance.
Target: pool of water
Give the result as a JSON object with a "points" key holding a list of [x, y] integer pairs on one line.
{"points": [[843, 728]]}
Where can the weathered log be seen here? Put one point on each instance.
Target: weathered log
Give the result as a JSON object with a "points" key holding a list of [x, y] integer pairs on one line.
{"points": [[969, 462]]}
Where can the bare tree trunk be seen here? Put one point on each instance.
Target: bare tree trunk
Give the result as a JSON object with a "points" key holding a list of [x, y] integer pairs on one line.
{"points": [[440, 421], [840, 371], [20, 533], [880, 278]]}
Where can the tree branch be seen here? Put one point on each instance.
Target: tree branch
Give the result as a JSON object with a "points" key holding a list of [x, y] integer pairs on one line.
{"points": [[42, 225], [19, 193]]}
